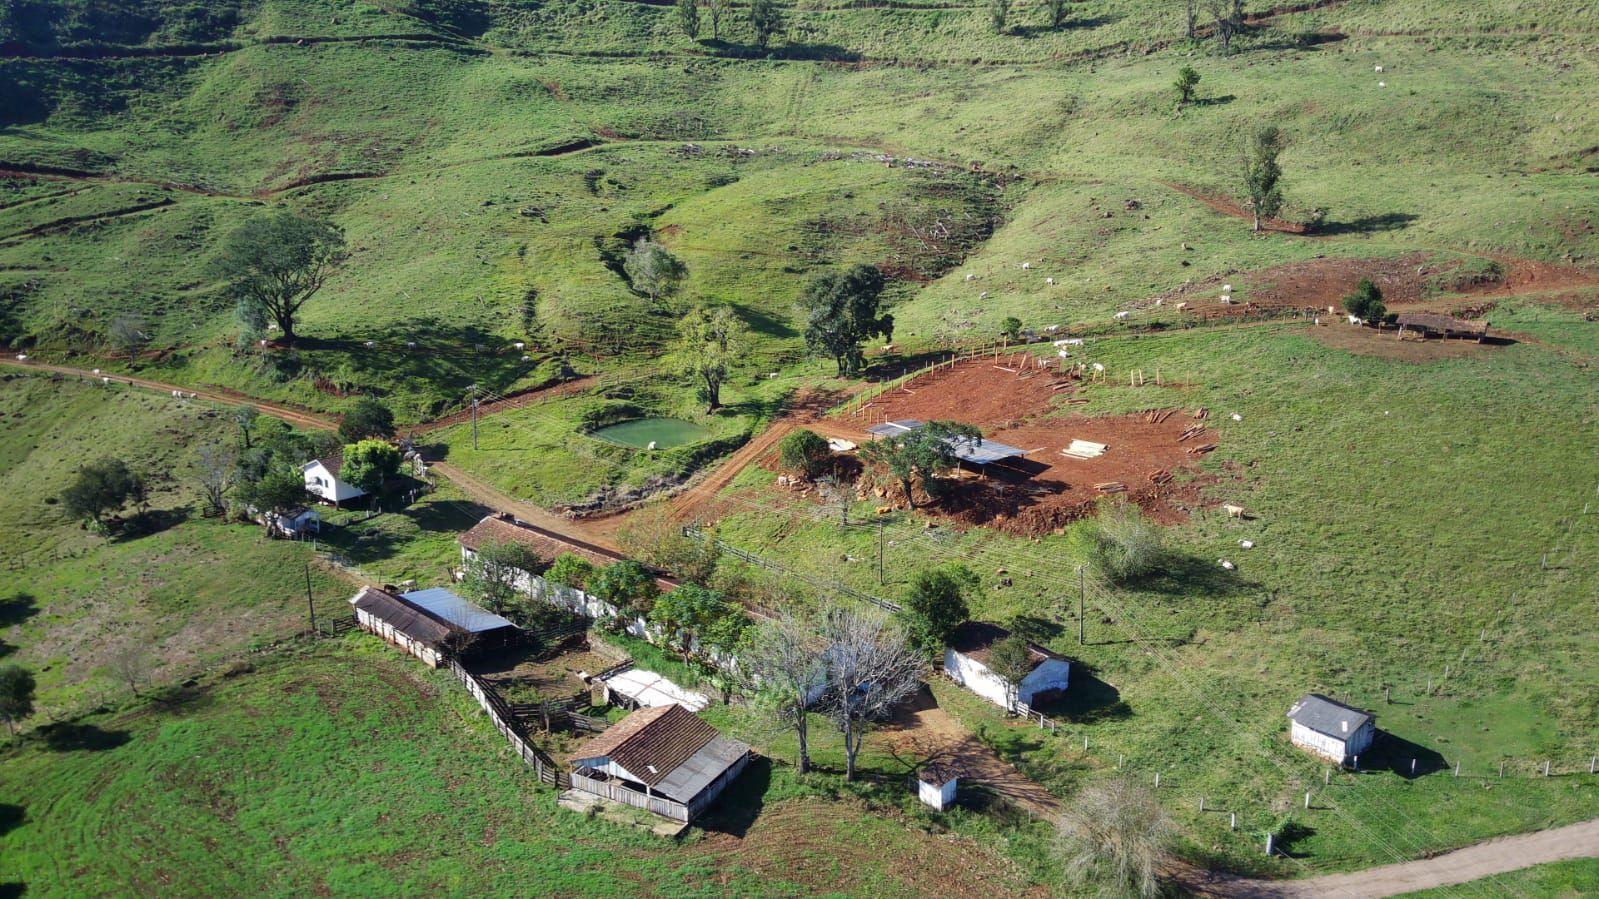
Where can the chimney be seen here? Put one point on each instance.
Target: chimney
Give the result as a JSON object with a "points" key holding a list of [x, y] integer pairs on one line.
{"points": [[1344, 725]]}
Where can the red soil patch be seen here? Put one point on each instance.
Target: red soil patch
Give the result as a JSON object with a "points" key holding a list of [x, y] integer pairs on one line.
{"points": [[1045, 490], [1409, 283], [1386, 344]]}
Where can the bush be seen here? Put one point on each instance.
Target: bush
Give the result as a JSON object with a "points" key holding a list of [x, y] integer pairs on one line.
{"points": [[570, 570], [1366, 302], [1011, 328], [936, 602], [804, 452], [1121, 543], [369, 463], [626, 585]]}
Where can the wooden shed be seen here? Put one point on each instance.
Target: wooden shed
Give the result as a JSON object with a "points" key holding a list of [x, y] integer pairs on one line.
{"points": [[666, 760], [1432, 324]]}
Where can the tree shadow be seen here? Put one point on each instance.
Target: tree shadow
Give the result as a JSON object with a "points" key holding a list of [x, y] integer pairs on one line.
{"points": [[17, 608], [1400, 756], [73, 737], [1036, 628], [764, 323], [13, 890], [805, 52], [445, 516], [1222, 100], [1032, 31], [1191, 576], [151, 522], [737, 809], [1087, 700], [11, 817], [1289, 836], [360, 546], [1370, 224]]}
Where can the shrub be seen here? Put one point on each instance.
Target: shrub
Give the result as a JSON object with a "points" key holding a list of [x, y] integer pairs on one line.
{"points": [[1366, 301], [626, 585], [570, 570], [804, 452]]}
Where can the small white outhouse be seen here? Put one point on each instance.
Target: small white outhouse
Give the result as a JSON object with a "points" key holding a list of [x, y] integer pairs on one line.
{"points": [[936, 785], [1332, 730]]}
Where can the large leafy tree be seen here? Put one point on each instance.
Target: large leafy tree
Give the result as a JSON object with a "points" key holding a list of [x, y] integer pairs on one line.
{"points": [[688, 17], [709, 341], [766, 20], [278, 260], [693, 615], [627, 585], [102, 488], [494, 574], [925, 453], [368, 463], [841, 311], [1262, 175], [937, 601], [16, 695], [652, 270], [367, 418]]}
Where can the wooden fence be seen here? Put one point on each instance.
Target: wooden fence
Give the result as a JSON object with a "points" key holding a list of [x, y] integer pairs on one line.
{"points": [[615, 792], [505, 722]]}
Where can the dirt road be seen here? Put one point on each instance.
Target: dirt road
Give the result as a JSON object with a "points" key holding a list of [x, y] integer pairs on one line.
{"points": [[1461, 866]]}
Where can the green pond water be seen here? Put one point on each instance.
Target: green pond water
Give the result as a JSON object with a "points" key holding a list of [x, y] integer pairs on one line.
{"points": [[641, 432]]}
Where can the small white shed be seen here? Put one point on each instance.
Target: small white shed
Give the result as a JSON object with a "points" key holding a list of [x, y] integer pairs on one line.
{"points": [[966, 663], [322, 480], [1332, 730], [936, 785]]}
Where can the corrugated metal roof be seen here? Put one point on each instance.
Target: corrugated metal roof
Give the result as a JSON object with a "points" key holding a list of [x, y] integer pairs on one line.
{"points": [[404, 617], [978, 452], [445, 605], [654, 745], [699, 770], [1324, 716]]}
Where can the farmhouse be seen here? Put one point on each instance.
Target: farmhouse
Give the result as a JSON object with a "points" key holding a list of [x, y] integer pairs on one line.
{"points": [[1433, 324], [966, 663], [504, 528], [428, 624], [322, 480], [1329, 729], [666, 760]]}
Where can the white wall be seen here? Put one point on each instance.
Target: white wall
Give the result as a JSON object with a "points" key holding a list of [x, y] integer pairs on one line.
{"points": [[937, 797], [321, 482], [1053, 674], [1332, 748], [373, 624]]}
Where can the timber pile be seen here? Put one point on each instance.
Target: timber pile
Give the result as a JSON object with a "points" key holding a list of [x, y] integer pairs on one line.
{"points": [[1192, 432], [1156, 416], [1200, 413], [1111, 487], [1201, 449], [1160, 478]]}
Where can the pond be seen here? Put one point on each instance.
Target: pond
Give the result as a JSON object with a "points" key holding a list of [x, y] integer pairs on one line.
{"points": [[641, 432]]}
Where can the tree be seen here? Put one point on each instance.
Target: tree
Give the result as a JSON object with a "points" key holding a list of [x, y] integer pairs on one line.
{"points": [[1187, 80], [652, 536], [1012, 659], [215, 471], [926, 452], [276, 490], [102, 488], [570, 570], [840, 310], [652, 270], [627, 585], [278, 260], [835, 492], [717, 8], [870, 667], [999, 15], [495, 573], [1122, 544], [1011, 328], [128, 333], [1115, 836], [131, 663], [1191, 10], [709, 341], [369, 463], [1056, 10], [245, 417], [1262, 175], [16, 695], [781, 663], [1366, 302], [1229, 16], [804, 452], [367, 418], [692, 615], [936, 602], [688, 17], [766, 20]]}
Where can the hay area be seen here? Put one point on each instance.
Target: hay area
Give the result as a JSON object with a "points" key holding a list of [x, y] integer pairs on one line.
{"points": [[1045, 491]]}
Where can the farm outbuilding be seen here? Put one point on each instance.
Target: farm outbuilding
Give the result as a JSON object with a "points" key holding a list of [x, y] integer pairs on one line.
{"points": [[1332, 730], [666, 760], [976, 453], [966, 663], [322, 481], [548, 546], [429, 624]]}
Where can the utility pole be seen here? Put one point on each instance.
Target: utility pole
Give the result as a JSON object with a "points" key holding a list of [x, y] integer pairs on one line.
{"points": [[310, 601], [1082, 597], [474, 416], [879, 552]]}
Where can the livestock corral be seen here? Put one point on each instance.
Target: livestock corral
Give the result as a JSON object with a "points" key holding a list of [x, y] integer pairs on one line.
{"points": [[1148, 456]]}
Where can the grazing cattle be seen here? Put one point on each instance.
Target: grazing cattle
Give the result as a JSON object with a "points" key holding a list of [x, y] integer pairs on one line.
{"points": [[1233, 511]]}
